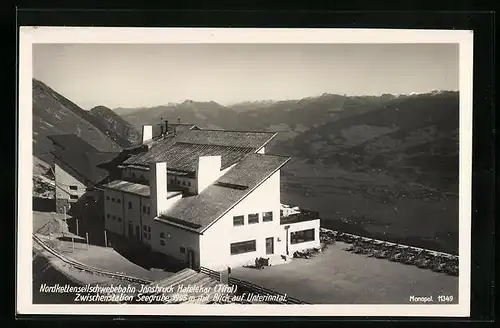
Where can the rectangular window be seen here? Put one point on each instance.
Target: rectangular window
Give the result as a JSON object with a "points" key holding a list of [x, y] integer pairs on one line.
{"points": [[162, 242], [119, 201], [243, 247], [183, 250], [107, 197], [145, 227], [149, 236], [253, 218], [129, 205], [143, 208], [267, 216], [162, 235], [149, 210], [119, 219], [107, 215], [113, 199], [149, 229], [73, 188], [73, 196], [238, 220], [189, 183], [114, 217], [302, 236], [145, 234]]}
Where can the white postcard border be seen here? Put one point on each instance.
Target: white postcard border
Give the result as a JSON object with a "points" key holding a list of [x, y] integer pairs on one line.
{"points": [[31, 35]]}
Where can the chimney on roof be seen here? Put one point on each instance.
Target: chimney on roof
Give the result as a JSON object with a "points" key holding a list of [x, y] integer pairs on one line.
{"points": [[208, 171], [147, 133], [166, 127], [178, 120], [158, 184], [158, 187], [161, 127]]}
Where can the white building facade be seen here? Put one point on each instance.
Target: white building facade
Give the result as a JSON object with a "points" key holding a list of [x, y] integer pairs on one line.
{"points": [[248, 227]]}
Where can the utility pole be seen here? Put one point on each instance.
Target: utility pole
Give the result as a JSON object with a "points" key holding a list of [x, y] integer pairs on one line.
{"points": [[65, 222], [87, 237], [73, 243], [77, 227], [105, 239]]}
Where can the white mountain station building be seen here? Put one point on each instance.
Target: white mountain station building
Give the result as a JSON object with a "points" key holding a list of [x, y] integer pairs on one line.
{"points": [[207, 197]]}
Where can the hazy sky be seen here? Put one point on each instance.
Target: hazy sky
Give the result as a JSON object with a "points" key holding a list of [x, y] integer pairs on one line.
{"points": [[132, 75]]}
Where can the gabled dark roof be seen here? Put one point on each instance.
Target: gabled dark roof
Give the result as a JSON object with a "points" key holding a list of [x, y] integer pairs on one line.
{"points": [[245, 139], [135, 188], [184, 156], [81, 157], [198, 212], [72, 142], [229, 144]]}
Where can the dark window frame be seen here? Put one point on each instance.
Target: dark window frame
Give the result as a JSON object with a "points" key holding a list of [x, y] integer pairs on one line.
{"points": [[251, 218], [129, 205], [302, 236], [266, 217], [247, 246], [73, 196], [73, 187], [238, 217]]}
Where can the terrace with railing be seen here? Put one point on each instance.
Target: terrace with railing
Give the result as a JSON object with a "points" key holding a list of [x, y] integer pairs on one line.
{"points": [[303, 215]]}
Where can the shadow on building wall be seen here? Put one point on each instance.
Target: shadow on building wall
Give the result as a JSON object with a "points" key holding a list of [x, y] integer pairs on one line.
{"points": [[85, 216], [43, 204], [143, 256]]}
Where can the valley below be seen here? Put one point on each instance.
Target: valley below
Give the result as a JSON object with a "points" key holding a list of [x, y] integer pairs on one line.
{"points": [[373, 204]]}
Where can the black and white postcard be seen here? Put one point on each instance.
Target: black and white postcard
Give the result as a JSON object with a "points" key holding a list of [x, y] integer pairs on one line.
{"points": [[308, 172]]}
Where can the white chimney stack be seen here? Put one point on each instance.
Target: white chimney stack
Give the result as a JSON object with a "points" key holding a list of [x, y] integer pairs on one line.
{"points": [[147, 133], [208, 171], [158, 187]]}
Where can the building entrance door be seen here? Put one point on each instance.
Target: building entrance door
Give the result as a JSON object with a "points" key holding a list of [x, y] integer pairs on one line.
{"points": [[270, 245], [190, 259], [130, 230]]}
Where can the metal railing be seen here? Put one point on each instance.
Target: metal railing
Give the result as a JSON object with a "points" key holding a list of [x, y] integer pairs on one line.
{"points": [[211, 273], [87, 268], [418, 249]]}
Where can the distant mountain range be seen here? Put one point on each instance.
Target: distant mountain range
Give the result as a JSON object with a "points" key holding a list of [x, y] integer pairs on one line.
{"points": [[415, 135], [412, 135]]}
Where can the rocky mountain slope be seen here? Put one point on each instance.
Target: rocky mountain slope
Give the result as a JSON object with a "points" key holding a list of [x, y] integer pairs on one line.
{"points": [[118, 127], [55, 114]]}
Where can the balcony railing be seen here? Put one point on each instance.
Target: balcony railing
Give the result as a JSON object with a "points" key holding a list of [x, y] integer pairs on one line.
{"points": [[304, 215]]}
